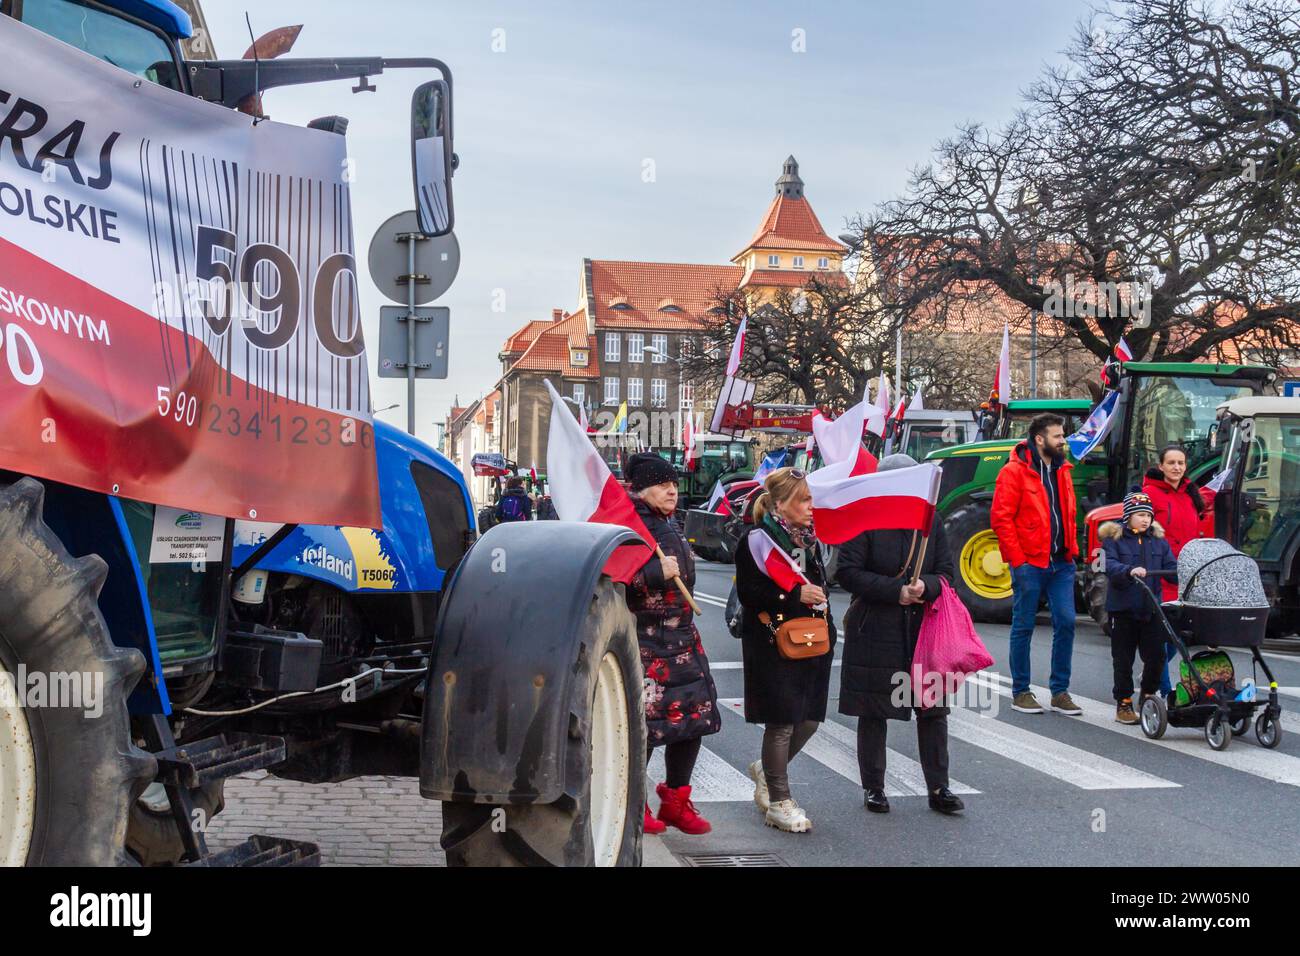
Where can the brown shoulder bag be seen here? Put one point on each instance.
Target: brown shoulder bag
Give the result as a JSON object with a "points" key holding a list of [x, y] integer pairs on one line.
{"points": [[799, 637]]}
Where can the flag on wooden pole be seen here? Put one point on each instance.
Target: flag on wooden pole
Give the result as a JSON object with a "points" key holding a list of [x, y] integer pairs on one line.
{"points": [[845, 504]]}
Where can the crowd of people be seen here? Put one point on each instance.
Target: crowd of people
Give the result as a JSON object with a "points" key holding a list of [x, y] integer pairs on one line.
{"points": [[1034, 519]]}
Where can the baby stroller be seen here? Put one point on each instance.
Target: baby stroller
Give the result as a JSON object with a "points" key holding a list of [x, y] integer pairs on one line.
{"points": [[1221, 604]]}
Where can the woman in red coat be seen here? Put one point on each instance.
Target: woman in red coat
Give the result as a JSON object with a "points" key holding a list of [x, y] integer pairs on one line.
{"points": [[1179, 508]]}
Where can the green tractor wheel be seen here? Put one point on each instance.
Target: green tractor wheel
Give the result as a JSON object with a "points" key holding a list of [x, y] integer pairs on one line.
{"points": [[983, 579]]}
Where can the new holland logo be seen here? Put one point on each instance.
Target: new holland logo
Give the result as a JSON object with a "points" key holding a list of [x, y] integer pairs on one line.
{"points": [[189, 521]]}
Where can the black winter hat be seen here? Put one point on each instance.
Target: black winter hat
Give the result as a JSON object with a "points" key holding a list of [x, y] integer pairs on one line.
{"points": [[646, 468]]}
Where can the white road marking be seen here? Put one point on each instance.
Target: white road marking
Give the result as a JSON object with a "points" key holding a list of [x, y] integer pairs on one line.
{"points": [[1250, 758], [1085, 770], [713, 781], [836, 746]]}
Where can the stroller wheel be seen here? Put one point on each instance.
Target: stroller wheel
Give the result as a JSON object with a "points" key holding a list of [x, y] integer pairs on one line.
{"points": [[1268, 730], [1154, 716], [1240, 725], [1217, 733]]}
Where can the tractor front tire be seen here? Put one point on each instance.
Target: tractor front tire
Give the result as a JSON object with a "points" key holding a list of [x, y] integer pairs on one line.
{"points": [[597, 820], [69, 779], [983, 579]]}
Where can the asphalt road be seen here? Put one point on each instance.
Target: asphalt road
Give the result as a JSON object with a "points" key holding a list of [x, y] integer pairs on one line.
{"points": [[1040, 789]]}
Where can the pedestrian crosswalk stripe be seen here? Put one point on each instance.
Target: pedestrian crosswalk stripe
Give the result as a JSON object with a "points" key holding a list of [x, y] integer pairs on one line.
{"points": [[1081, 768], [835, 747], [713, 780], [710, 599], [1254, 760]]}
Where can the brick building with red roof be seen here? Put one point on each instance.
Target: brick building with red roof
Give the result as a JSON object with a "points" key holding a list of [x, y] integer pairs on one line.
{"points": [[635, 321]]}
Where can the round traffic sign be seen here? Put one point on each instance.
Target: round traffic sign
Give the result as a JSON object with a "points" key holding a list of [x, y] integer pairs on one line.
{"points": [[436, 260]]}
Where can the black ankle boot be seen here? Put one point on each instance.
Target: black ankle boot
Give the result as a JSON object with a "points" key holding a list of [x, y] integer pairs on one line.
{"points": [[876, 801], [945, 801]]}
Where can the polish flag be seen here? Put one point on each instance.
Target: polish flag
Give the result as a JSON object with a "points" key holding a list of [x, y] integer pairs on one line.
{"points": [[584, 489], [900, 410], [691, 454], [847, 504], [737, 349], [532, 473], [1122, 351], [918, 401], [715, 498], [582, 419], [1001, 393], [774, 562], [841, 440]]}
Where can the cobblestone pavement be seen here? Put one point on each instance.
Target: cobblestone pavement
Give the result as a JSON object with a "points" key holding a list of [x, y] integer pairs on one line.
{"points": [[368, 821]]}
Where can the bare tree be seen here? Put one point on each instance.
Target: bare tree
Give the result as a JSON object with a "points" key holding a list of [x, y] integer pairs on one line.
{"points": [[1149, 190]]}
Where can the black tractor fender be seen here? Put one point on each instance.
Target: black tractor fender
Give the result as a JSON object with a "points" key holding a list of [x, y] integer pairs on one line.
{"points": [[509, 639]]}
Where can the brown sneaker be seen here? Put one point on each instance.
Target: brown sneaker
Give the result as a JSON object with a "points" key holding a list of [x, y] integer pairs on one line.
{"points": [[1062, 704], [1026, 703], [1124, 711]]}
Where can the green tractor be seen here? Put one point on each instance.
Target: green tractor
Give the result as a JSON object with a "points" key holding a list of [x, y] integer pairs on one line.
{"points": [[1160, 403]]}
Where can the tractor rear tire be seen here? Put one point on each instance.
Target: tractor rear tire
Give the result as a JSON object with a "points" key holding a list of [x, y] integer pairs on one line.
{"points": [[70, 782], [1095, 592], [982, 579], [597, 820]]}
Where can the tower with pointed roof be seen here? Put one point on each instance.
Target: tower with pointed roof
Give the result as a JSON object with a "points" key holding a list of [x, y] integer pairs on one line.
{"points": [[789, 244]]}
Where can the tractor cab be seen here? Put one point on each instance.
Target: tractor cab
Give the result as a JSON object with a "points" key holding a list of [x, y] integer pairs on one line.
{"points": [[1257, 505], [1014, 423]]}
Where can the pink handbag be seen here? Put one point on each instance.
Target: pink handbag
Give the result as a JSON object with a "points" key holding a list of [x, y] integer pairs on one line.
{"points": [[947, 648]]}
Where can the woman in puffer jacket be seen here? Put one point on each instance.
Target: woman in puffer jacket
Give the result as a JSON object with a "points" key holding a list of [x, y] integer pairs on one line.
{"points": [[1179, 506]]}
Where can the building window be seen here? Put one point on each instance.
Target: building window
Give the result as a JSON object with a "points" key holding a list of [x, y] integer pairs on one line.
{"points": [[823, 263], [611, 391], [686, 395], [773, 261], [798, 262], [579, 356], [634, 391], [613, 344], [658, 392], [660, 344], [635, 347], [580, 393]]}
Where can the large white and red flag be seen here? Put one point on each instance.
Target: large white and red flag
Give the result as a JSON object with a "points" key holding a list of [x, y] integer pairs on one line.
{"points": [[774, 562], [737, 349], [584, 489], [841, 440], [918, 400], [847, 504]]}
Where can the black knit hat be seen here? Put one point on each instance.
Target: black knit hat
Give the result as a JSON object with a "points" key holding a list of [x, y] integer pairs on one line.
{"points": [[1136, 501], [646, 468]]}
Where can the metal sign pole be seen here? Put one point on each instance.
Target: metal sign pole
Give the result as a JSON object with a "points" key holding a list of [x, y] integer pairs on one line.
{"points": [[410, 335]]}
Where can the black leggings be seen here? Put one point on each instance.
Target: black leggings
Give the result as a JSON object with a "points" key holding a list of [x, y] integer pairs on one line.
{"points": [[679, 761]]}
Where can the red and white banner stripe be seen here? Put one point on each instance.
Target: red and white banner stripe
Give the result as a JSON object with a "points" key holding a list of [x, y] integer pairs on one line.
{"points": [[737, 349]]}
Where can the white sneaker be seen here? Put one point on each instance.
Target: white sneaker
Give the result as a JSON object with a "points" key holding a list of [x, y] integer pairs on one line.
{"points": [[788, 816], [761, 798]]}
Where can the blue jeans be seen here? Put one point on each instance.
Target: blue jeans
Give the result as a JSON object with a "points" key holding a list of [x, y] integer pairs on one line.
{"points": [[1027, 585]]}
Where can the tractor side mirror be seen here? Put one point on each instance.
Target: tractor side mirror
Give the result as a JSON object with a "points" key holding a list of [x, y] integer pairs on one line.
{"points": [[432, 160]]}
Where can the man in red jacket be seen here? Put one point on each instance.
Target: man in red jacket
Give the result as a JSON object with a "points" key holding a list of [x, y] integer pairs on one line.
{"points": [[1033, 517]]}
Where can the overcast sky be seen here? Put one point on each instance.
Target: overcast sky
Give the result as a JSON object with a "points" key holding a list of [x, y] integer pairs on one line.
{"points": [[561, 108]]}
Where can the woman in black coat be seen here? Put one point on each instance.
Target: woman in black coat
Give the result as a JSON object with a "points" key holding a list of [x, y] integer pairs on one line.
{"points": [[880, 631], [681, 703], [788, 696]]}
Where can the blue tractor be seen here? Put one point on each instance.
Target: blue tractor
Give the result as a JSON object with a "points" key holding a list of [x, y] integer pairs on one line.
{"points": [[502, 670]]}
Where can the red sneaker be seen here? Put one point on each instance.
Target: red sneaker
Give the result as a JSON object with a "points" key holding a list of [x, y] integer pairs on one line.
{"points": [[652, 826], [676, 810]]}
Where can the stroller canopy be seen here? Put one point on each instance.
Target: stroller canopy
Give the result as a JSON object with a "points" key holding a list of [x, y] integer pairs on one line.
{"points": [[1212, 573]]}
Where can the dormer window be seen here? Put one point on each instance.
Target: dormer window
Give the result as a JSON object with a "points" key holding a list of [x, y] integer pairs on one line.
{"points": [[773, 261], [620, 303], [579, 356], [668, 305]]}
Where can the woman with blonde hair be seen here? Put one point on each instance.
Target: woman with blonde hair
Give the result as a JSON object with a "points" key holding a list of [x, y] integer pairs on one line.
{"points": [[787, 696]]}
